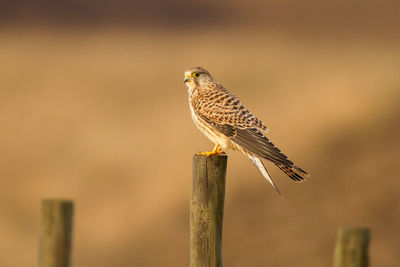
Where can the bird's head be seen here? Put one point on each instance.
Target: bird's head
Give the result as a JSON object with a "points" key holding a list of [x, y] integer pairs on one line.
{"points": [[197, 76]]}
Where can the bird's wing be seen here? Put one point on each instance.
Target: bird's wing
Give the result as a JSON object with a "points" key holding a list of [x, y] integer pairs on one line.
{"points": [[225, 113]]}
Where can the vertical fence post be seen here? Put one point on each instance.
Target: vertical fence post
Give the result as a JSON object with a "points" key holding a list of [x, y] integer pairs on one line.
{"points": [[207, 210], [352, 247], [55, 233]]}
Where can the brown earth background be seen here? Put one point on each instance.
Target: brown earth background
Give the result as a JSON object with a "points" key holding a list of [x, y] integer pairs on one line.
{"points": [[93, 108]]}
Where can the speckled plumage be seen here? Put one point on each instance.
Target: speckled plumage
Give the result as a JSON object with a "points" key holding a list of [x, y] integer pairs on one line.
{"points": [[225, 121]]}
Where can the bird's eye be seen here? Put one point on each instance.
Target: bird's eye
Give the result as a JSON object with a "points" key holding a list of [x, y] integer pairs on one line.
{"points": [[196, 74]]}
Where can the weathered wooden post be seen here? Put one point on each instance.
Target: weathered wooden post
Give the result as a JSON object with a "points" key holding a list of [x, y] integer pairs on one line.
{"points": [[207, 210], [55, 233], [352, 247]]}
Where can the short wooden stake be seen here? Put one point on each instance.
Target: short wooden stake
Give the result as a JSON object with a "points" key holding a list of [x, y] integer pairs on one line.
{"points": [[55, 233], [352, 247]]}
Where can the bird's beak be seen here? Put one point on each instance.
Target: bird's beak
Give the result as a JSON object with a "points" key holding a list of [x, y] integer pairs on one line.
{"points": [[187, 78]]}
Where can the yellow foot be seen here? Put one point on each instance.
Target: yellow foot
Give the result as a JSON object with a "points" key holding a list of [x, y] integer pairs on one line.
{"points": [[209, 153], [216, 151]]}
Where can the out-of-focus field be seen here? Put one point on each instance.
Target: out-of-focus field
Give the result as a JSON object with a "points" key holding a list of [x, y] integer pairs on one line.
{"points": [[101, 116]]}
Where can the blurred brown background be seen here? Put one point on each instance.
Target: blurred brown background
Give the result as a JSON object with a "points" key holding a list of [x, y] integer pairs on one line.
{"points": [[93, 108]]}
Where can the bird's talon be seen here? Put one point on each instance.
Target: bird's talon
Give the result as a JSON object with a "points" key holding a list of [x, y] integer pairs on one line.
{"points": [[216, 151], [210, 153]]}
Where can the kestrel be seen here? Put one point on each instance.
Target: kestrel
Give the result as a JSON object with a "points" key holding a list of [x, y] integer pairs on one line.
{"points": [[226, 122]]}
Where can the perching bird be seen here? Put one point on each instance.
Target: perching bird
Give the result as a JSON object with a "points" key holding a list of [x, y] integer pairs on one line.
{"points": [[225, 121]]}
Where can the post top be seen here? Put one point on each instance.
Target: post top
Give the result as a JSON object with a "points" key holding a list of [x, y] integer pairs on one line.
{"points": [[223, 155]]}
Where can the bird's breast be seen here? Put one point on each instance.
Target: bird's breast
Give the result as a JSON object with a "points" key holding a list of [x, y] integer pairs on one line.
{"points": [[211, 133]]}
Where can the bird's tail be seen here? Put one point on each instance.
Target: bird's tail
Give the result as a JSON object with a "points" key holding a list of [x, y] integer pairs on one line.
{"points": [[295, 173], [260, 166]]}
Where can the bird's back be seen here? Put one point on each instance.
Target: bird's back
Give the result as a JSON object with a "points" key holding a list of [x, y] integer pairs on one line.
{"points": [[217, 104]]}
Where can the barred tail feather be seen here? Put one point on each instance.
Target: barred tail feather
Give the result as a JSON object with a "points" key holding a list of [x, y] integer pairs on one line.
{"points": [[260, 166], [295, 173]]}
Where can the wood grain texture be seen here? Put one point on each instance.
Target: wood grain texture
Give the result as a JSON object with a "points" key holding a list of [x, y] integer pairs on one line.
{"points": [[55, 233], [352, 247], [207, 210]]}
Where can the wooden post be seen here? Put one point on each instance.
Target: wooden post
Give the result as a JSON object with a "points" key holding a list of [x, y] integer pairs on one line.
{"points": [[207, 210], [352, 247], [55, 233]]}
